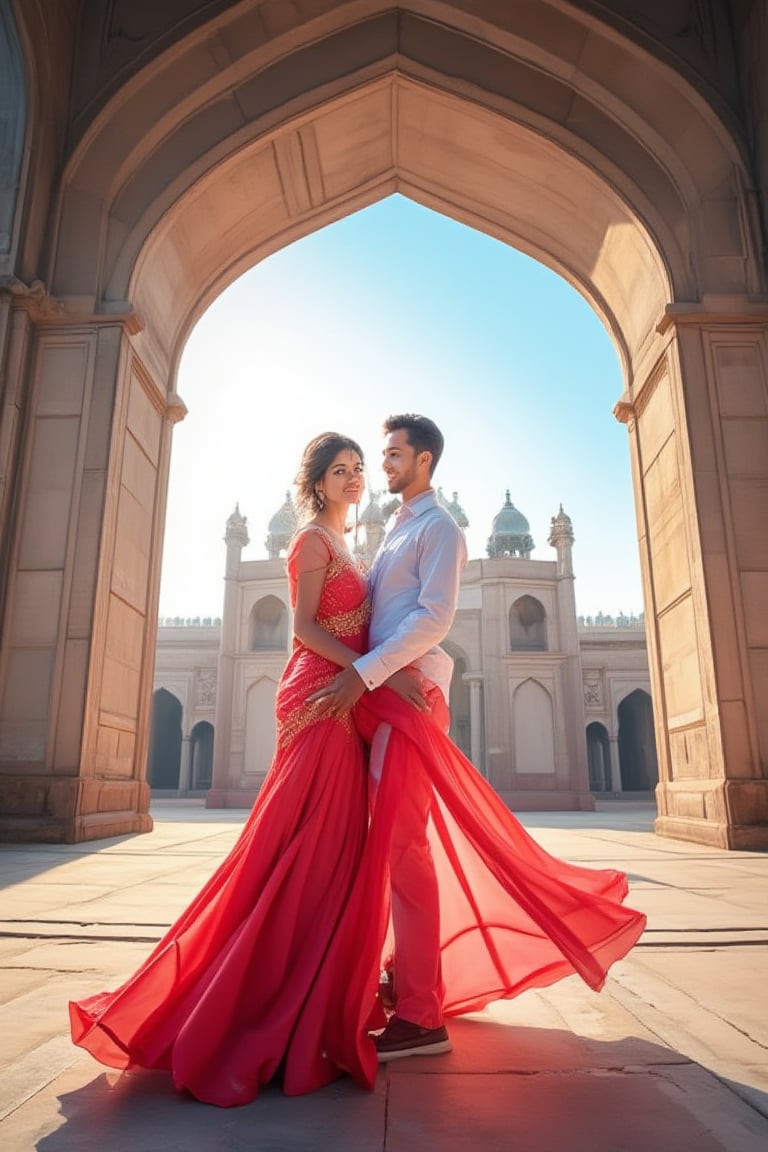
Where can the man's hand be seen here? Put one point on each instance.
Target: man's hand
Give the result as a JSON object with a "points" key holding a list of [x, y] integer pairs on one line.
{"points": [[337, 697], [407, 684]]}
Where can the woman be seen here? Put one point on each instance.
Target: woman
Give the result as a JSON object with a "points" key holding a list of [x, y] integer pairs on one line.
{"points": [[249, 983]]}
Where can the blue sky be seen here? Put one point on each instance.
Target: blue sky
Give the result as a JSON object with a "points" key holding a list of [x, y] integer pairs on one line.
{"points": [[397, 308]]}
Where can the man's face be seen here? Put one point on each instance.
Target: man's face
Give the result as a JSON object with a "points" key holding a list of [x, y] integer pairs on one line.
{"points": [[399, 461]]}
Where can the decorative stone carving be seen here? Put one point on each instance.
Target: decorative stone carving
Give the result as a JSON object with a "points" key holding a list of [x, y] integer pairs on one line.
{"points": [[205, 694], [593, 691]]}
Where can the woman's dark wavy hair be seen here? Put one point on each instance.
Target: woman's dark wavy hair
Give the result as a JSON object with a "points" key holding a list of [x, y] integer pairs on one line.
{"points": [[317, 457]]}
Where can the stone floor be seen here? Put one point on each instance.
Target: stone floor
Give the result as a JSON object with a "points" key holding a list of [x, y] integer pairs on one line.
{"points": [[671, 1056]]}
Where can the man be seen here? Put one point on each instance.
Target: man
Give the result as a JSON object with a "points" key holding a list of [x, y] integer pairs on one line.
{"points": [[414, 585]]}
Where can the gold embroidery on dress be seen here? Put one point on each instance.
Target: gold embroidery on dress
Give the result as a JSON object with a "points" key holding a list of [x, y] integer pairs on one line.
{"points": [[347, 623], [339, 621]]}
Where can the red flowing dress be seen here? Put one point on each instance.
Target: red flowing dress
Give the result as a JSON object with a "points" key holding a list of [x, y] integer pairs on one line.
{"points": [[274, 967], [221, 1001]]}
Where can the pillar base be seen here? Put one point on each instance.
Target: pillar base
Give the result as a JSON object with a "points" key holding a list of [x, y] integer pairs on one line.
{"points": [[231, 797], [46, 809], [730, 814], [543, 800]]}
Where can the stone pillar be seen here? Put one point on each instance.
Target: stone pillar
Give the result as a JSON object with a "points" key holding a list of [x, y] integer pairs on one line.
{"points": [[185, 766], [475, 681], [698, 427], [615, 764], [236, 538], [82, 561]]}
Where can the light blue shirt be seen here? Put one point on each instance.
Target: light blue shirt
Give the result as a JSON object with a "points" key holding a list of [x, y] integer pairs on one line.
{"points": [[414, 589]]}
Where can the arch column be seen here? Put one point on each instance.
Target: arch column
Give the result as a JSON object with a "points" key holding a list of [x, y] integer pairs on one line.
{"points": [[185, 766], [81, 579], [475, 681], [615, 764], [698, 426]]}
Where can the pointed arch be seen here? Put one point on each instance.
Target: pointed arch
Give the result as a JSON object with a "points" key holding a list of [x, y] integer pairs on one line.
{"points": [[268, 625], [527, 625], [164, 759]]}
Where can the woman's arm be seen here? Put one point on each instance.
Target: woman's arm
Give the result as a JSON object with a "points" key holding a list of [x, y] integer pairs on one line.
{"points": [[309, 556]]}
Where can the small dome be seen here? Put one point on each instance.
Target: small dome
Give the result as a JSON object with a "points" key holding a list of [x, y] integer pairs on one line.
{"points": [[284, 522], [453, 507], [236, 520], [509, 521], [561, 527]]}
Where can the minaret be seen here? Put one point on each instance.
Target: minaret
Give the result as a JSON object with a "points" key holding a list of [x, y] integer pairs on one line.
{"points": [[372, 520], [561, 538], [235, 538]]}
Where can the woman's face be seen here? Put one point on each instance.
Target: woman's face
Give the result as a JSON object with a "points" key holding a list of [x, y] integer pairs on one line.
{"points": [[343, 481]]}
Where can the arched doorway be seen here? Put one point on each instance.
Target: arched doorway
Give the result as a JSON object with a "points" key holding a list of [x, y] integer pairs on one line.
{"points": [[201, 753], [164, 760], [637, 744], [485, 121], [461, 720], [599, 758]]}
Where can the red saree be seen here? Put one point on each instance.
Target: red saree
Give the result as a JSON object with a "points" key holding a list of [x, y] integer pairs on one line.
{"points": [[220, 1002], [274, 967]]}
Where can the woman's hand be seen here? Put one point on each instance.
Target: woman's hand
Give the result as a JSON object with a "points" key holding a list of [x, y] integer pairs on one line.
{"points": [[407, 684]]}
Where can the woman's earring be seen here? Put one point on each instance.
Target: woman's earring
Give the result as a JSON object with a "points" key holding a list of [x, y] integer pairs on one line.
{"points": [[320, 499]]}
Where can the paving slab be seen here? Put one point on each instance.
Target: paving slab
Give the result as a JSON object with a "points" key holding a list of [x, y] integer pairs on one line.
{"points": [[672, 1055]]}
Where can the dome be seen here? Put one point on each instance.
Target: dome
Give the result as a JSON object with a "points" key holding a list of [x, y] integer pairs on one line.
{"points": [[510, 533], [509, 521], [281, 528], [284, 520]]}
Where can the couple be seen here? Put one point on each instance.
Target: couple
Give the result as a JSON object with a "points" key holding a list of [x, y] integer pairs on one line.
{"points": [[373, 842]]}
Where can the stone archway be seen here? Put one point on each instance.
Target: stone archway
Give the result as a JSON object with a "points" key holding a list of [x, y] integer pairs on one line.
{"points": [[238, 133]]}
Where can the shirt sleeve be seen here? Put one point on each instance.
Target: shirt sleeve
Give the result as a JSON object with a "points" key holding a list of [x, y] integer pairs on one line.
{"points": [[442, 555]]}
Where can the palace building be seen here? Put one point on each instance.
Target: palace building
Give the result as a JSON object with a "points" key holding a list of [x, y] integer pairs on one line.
{"points": [[550, 708]]}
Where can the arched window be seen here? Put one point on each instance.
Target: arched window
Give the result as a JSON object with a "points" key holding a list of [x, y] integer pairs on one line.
{"points": [[637, 743], [599, 758], [527, 625], [201, 741], [269, 625], [164, 760]]}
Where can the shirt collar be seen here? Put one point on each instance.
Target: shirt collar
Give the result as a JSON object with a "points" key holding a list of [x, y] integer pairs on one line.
{"points": [[418, 505]]}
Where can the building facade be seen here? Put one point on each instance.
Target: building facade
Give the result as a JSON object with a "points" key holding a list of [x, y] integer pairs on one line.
{"points": [[151, 153], [550, 709]]}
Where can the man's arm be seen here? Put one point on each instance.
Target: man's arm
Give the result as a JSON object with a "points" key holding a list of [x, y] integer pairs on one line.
{"points": [[443, 554], [442, 557]]}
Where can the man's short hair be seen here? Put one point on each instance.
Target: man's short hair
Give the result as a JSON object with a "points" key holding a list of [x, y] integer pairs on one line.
{"points": [[421, 433]]}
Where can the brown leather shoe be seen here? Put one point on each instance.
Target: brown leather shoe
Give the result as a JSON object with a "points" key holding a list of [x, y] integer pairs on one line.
{"points": [[401, 1038]]}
